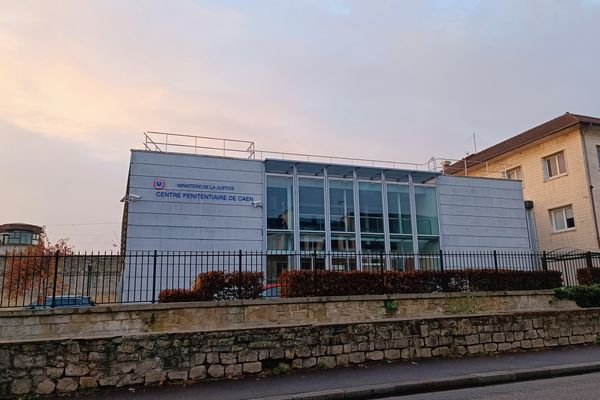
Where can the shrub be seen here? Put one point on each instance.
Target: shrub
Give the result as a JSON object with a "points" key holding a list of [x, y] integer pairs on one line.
{"points": [[217, 286], [177, 296], [588, 276], [334, 283], [584, 296]]}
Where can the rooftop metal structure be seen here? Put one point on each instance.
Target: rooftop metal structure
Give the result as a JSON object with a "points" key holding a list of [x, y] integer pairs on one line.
{"points": [[217, 146]]}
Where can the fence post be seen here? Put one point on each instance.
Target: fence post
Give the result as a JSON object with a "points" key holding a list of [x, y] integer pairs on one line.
{"points": [[441, 260], [154, 277], [314, 267], [495, 260], [55, 277], [382, 275], [544, 261], [588, 259], [240, 280]]}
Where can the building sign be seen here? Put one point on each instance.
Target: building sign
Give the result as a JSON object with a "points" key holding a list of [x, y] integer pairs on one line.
{"points": [[222, 193]]}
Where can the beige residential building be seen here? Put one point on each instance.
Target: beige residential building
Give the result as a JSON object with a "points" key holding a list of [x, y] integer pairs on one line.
{"points": [[558, 163]]}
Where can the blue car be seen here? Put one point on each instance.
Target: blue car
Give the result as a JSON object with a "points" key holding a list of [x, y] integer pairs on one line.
{"points": [[64, 301]]}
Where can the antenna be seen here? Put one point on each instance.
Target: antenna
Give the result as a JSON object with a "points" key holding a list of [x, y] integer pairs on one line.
{"points": [[474, 142]]}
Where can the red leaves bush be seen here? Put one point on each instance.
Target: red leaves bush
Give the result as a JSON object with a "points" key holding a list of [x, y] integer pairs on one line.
{"points": [[588, 276], [334, 283], [217, 286]]}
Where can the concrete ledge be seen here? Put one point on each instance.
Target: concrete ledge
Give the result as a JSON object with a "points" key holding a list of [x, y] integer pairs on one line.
{"points": [[21, 312], [139, 319]]}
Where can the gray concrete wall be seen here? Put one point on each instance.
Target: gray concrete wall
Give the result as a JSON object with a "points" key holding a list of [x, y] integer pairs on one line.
{"points": [[184, 223], [480, 214]]}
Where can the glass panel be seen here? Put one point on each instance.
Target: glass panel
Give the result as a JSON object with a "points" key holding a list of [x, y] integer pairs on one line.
{"points": [[372, 243], [35, 239], [25, 238], [276, 264], [401, 244], [550, 168], [559, 221], [312, 204], [280, 203], [343, 261], [427, 215], [307, 262], [569, 217], [429, 246], [280, 241], [514, 174], [340, 242], [560, 158], [312, 242], [341, 203], [399, 209], [371, 207]]}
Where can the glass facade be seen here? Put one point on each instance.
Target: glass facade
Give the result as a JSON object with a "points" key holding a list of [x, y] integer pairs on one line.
{"points": [[390, 224]]}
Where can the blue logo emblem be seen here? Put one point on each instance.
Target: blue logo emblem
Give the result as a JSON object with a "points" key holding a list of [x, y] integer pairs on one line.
{"points": [[159, 184]]}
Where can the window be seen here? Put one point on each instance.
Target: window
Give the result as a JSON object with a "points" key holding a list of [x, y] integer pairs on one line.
{"points": [[514, 174], [312, 204], [371, 207], [280, 213], [341, 203], [598, 155], [562, 218], [554, 165], [427, 214]]}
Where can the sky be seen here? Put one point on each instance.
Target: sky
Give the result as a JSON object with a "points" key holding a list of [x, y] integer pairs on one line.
{"points": [[395, 80]]}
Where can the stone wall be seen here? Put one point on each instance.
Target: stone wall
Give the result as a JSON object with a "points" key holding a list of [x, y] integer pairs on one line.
{"points": [[135, 319], [63, 367]]}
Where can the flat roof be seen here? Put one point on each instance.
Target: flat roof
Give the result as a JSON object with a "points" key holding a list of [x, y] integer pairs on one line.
{"points": [[346, 171]]}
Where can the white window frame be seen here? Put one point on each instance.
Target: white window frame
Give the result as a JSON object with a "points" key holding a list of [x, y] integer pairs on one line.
{"points": [[555, 157], [563, 213], [508, 171]]}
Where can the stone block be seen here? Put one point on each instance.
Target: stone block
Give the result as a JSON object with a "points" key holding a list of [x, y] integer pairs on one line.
{"points": [[577, 339], [153, 377], [252, 367], [45, 387], [21, 386], [426, 352], [357, 357], [490, 347], [326, 362], [77, 370], [177, 375], [22, 361], [88, 382], [277, 354], [504, 347], [54, 373], [563, 341], [228, 358], [297, 363], [198, 372], [471, 340], [485, 338], [110, 380], [392, 354], [374, 355], [476, 348], [526, 344], [309, 362], [213, 358], [342, 360], [246, 356], [216, 371], [498, 337], [66, 385], [232, 370]]}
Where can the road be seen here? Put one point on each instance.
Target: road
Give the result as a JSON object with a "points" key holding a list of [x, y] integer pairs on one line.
{"points": [[368, 375], [580, 387]]}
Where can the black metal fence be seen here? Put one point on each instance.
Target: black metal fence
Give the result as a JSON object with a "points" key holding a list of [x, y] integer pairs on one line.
{"points": [[48, 280]]}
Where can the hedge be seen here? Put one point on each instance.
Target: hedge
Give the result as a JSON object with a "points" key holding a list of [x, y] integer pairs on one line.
{"points": [[588, 276], [335, 283], [584, 296], [211, 286]]}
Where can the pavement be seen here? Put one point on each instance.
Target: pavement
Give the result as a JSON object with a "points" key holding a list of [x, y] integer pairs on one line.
{"points": [[376, 381]]}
